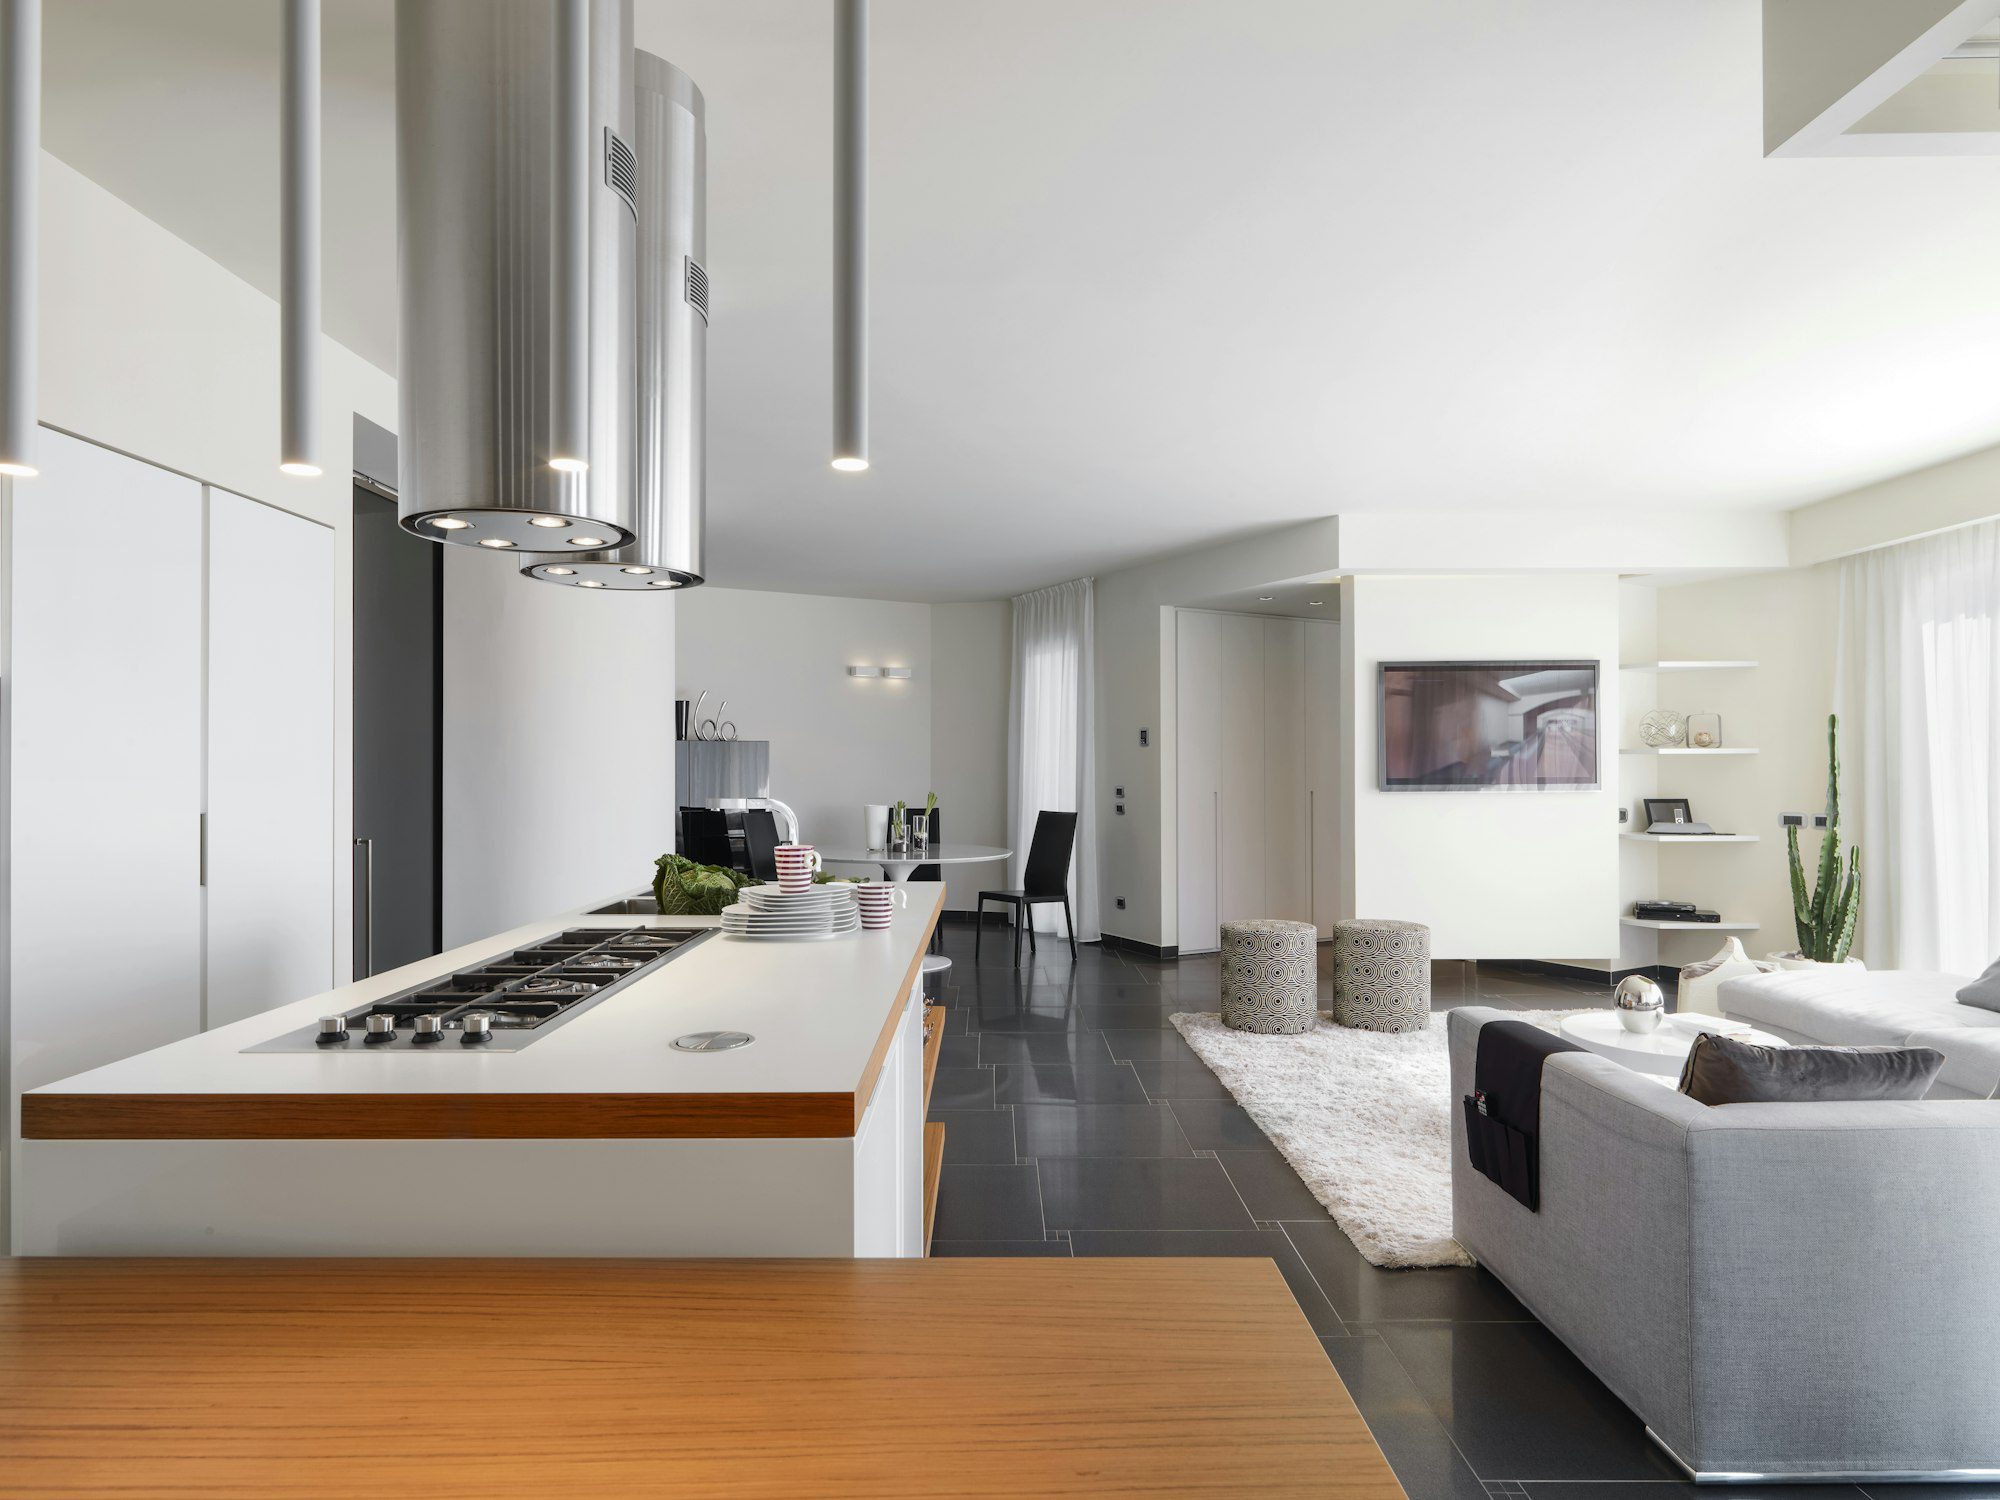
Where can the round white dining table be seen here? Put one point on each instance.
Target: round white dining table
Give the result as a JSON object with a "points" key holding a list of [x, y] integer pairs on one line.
{"points": [[896, 869]]}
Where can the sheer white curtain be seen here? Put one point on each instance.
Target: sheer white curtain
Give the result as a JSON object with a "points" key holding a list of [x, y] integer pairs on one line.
{"points": [[1050, 753], [1918, 693]]}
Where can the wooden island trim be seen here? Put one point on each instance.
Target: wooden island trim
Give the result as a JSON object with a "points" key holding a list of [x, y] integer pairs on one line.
{"points": [[474, 1116], [244, 1379]]}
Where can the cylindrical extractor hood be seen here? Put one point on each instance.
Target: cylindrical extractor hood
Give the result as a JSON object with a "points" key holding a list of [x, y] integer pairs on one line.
{"points": [[671, 487], [484, 320]]}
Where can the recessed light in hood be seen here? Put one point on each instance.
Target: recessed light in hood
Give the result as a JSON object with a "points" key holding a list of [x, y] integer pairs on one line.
{"points": [[670, 516], [490, 283]]}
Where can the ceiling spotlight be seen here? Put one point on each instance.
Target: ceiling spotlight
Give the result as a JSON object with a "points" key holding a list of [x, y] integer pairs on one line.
{"points": [[19, 471], [450, 523], [637, 572], [494, 541], [590, 583], [586, 541], [850, 465], [547, 521], [304, 471], [1315, 603], [559, 572], [568, 465], [662, 583], [1265, 598]]}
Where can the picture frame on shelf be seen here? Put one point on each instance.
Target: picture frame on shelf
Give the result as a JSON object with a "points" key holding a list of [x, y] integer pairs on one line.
{"points": [[1667, 810]]}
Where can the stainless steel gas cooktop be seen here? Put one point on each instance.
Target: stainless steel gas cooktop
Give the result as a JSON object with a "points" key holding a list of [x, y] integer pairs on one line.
{"points": [[499, 1005]]}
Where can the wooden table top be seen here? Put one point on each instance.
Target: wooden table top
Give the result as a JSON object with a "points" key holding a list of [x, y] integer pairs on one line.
{"points": [[545, 1378]]}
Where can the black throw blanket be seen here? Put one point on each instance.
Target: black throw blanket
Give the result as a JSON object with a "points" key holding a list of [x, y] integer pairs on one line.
{"points": [[1503, 1113]]}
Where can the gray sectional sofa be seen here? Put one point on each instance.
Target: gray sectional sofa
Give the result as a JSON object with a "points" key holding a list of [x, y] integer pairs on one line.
{"points": [[1854, 1007], [1778, 1291]]}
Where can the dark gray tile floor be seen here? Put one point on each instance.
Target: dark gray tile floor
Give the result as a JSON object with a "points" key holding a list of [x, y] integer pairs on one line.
{"points": [[1077, 1122]]}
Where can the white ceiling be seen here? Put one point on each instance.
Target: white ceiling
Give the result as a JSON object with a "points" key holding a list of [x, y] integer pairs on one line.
{"points": [[1150, 272]]}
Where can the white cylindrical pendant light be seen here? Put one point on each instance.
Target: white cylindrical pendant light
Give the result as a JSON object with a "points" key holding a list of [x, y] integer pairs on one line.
{"points": [[20, 176], [299, 272], [569, 252], [850, 235]]}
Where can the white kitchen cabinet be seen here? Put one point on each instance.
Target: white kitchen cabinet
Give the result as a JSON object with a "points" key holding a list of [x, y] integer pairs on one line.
{"points": [[169, 700], [270, 758], [1258, 807], [103, 685]]}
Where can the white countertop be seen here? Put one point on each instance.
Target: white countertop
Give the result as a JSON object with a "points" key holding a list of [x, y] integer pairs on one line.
{"points": [[817, 1010]]}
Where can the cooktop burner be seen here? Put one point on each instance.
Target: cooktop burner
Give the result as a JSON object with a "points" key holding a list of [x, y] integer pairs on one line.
{"points": [[500, 1004]]}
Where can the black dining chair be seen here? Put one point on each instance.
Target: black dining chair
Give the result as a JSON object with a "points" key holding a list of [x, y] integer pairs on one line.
{"points": [[705, 837], [760, 842], [1044, 883]]}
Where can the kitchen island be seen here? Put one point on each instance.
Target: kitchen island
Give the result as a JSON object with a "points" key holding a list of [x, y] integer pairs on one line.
{"points": [[601, 1137]]}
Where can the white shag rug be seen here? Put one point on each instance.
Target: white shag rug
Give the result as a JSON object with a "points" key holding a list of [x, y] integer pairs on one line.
{"points": [[1363, 1117]]}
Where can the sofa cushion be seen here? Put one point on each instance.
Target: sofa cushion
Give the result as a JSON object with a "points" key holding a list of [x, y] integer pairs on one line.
{"points": [[1984, 991], [1722, 1070], [1971, 1057], [1851, 1006]]}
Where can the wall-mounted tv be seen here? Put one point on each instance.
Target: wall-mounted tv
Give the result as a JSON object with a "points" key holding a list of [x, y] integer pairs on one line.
{"points": [[1488, 726]]}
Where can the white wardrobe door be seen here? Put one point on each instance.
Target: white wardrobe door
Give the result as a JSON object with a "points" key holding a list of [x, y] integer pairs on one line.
{"points": [[1244, 840], [1286, 835], [270, 758], [105, 698], [1198, 746], [1322, 740]]}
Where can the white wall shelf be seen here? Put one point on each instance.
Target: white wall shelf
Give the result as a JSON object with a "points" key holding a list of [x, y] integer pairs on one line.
{"points": [[1686, 666], [1687, 750], [1690, 838], [1659, 926]]}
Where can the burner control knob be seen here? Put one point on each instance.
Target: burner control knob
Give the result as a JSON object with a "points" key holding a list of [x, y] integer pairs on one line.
{"points": [[381, 1028], [429, 1029], [333, 1028], [478, 1027]]}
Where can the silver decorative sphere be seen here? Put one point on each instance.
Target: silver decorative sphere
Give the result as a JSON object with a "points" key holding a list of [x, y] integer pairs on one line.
{"points": [[1639, 1003]]}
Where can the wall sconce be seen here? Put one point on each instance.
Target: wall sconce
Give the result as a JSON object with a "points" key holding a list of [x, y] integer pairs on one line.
{"points": [[896, 672]]}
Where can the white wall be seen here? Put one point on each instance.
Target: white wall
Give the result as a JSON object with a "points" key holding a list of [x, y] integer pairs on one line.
{"points": [[836, 741], [1494, 875], [558, 743], [972, 662]]}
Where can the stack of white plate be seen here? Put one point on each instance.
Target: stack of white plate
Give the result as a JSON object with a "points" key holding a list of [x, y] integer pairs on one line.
{"points": [[763, 913]]}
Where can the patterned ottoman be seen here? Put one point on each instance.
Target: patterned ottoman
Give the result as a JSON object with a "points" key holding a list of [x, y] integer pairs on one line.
{"points": [[1270, 976], [1381, 975]]}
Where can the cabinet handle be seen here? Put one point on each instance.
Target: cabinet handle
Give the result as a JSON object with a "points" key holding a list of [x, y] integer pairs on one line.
{"points": [[364, 860], [201, 851]]}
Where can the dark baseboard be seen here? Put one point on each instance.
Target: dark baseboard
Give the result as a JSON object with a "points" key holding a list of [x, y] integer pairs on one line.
{"points": [[1133, 945]]}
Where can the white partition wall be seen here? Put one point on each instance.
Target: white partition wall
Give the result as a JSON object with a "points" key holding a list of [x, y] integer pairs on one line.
{"points": [[270, 758], [1258, 816], [103, 684]]}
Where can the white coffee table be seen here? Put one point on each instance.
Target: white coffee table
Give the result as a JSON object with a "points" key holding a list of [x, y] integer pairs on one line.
{"points": [[1661, 1052]]}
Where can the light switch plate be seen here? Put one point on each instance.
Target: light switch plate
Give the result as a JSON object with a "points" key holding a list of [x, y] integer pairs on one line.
{"points": [[1145, 737]]}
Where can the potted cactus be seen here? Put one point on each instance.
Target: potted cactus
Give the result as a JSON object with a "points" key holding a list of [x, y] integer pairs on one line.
{"points": [[1825, 914]]}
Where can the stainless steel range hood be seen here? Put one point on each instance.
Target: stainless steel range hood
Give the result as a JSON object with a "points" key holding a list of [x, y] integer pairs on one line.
{"points": [[490, 273], [670, 513]]}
